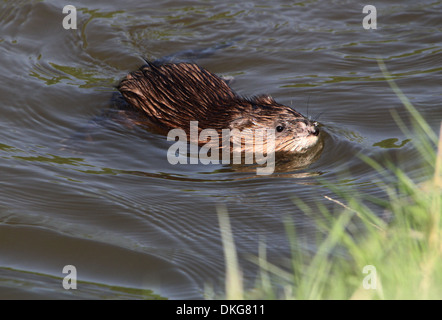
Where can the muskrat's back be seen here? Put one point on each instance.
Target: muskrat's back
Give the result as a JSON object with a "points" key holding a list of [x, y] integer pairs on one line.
{"points": [[171, 95]]}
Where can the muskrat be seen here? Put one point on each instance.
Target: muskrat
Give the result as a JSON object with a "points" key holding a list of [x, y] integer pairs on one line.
{"points": [[169, 96]]}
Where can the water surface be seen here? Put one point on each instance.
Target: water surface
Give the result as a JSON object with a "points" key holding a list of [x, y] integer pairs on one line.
{"points": [[135, 226]]}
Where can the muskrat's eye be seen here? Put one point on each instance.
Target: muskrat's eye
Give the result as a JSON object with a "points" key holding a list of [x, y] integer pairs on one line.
{"points": [[279, 128]]}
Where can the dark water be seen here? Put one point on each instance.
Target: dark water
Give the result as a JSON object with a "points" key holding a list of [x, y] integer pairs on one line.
{"points": [[135, 226]]}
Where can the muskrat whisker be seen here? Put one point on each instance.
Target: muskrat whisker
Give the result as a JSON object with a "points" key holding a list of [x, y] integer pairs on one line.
{"points": [[316, 118], [308, 102]]}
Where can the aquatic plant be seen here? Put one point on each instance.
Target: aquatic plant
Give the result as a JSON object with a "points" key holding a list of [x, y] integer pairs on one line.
{"points": [[396, 259]]}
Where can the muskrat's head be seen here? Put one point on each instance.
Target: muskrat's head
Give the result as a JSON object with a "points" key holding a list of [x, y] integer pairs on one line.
{"points": [[293, 132]]}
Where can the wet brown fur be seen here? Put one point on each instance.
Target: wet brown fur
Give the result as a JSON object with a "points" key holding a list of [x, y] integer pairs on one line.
{"points": [[171, 95]]}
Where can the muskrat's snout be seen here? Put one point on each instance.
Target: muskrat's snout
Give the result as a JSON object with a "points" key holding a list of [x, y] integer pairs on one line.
{"points": [[314, 129], [307, 127]]}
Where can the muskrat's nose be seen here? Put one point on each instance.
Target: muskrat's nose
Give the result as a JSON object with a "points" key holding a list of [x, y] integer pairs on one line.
{"points": [[308, 126], [315, 129], [312, 127]]}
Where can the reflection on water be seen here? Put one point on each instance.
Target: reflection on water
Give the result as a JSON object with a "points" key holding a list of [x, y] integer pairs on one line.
{"points": [[102, 196], [55, 73], [391, 143]]}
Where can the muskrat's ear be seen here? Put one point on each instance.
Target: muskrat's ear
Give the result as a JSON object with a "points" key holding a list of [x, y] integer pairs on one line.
{"points": [[266, 99], [228, 79]]}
